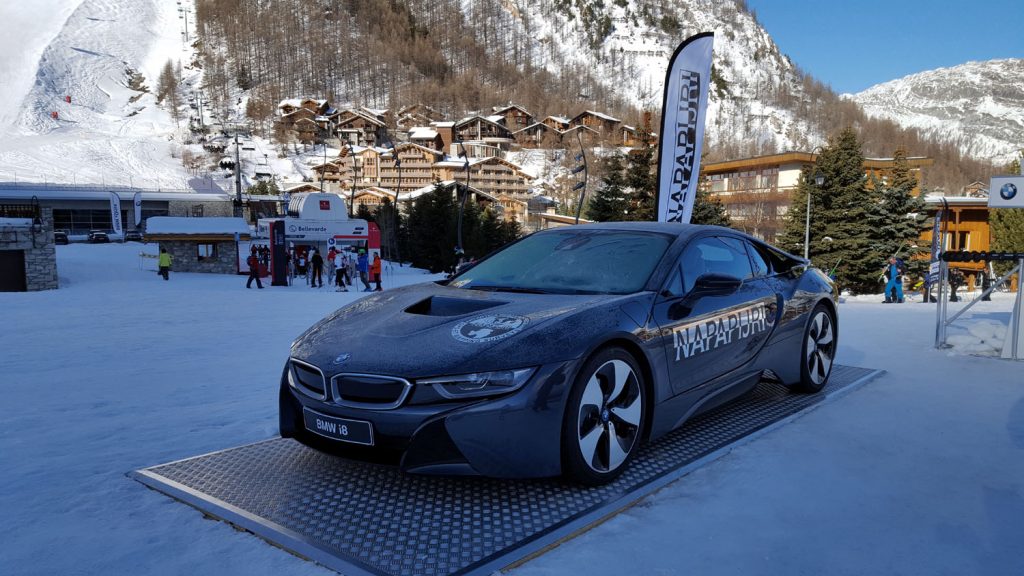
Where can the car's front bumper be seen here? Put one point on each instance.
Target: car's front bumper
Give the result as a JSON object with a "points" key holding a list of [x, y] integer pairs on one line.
{"points": [[513, 436]]}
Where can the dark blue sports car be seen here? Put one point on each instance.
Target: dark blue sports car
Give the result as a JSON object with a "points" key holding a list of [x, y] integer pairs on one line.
{"points": [[560, 353]]}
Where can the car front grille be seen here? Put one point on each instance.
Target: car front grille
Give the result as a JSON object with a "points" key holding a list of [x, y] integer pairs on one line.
{"points": [[309, 379], [369, 391]]}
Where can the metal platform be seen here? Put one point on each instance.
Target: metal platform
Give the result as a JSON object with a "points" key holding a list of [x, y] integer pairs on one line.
{"points": [[360, 518]]}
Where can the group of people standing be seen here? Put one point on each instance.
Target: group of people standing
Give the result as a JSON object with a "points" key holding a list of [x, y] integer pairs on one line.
{"points": [[341, 267], [895, 270]]}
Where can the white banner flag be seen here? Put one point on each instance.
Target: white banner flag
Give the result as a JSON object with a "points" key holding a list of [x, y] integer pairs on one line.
{"points": [[682, 127], [115, 213], [137, 202]]}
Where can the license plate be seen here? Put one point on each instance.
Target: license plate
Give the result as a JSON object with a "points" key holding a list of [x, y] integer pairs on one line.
{"points": [[355, 431]]}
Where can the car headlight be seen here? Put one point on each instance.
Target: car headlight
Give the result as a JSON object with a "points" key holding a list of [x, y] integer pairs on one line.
{"points": [[480, 383]]}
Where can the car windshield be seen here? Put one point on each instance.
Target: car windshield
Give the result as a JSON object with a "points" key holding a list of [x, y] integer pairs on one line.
{"points": [[572, 261]]}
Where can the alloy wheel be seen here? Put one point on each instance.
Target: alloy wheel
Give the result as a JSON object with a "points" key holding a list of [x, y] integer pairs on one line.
{"points": [[610, 413]]}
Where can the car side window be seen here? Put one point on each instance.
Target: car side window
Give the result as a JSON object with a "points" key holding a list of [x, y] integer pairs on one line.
{"points": [[757, 259], [714, 255], [674, 287]]}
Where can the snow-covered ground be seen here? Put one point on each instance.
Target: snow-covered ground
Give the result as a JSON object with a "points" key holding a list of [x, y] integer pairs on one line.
{"points": [[918, 472]]}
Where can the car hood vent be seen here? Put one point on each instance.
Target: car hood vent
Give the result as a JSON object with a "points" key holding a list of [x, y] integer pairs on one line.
{"points": [[442, 306]]}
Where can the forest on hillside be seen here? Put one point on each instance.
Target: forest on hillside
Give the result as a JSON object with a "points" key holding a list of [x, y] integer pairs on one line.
{"points": [[463, 56]]}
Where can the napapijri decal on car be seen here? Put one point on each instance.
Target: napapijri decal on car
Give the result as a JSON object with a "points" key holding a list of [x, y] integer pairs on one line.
{"points": [[721, 329], [489, 328]]}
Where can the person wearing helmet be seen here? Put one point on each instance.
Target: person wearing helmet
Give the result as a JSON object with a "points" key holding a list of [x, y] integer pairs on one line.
{"points": [[363, 264]]}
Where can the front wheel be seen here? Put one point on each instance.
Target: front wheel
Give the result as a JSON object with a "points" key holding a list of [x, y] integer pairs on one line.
{"points": [[604, 418], [818, 350]]}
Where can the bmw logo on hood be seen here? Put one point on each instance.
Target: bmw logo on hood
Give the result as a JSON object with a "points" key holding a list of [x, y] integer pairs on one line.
{"points": [[341, 359]]}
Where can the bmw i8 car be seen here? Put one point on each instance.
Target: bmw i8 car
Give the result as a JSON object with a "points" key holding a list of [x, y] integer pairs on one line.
{"points": [[560, 353]]}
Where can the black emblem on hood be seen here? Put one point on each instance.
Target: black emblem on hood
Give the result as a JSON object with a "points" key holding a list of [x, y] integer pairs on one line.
{"points": [[489, 328]]}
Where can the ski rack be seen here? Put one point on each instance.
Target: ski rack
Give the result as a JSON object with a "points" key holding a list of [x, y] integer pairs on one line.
{"points": [[942, 306]]}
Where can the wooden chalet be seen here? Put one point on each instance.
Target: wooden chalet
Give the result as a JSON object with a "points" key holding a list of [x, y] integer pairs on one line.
{"points": [[360, 128], [373, 196], [483, 130], [557, 122], [588, 135], [426, 136], [317, 107], [602, 123], [514, 116], [537, 135]]}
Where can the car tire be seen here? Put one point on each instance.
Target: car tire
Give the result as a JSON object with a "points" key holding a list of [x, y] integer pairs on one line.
{"points": [[604, 419], [818, 350]]}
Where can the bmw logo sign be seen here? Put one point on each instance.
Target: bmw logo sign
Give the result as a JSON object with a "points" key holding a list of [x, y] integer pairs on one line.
{"points": [[341, 359], [1008, 191]]}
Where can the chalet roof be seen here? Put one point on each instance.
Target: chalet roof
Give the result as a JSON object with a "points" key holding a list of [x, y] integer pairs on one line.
{"points": [[404, 145], [374, 111], [422, 133], [444, 124], [559, 119], [293, 187], [471, 119], [596, 114], [302, 111], [414, 109], [297, 102], [496, 118], [535, 125], [509, 106], [350, 115]]}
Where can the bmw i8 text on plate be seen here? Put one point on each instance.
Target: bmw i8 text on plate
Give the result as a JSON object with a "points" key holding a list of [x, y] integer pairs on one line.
{"points": [[561, 353]]}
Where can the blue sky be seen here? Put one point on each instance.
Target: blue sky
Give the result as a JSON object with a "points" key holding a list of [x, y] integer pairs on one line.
{"points": [[852, 45]]}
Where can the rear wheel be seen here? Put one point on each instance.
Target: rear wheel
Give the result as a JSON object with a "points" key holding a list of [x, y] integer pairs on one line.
{"points": [[604, 418], [819, 350]]}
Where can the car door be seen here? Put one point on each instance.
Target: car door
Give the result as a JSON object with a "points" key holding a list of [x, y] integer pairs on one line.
{"points": [[707, 335]]}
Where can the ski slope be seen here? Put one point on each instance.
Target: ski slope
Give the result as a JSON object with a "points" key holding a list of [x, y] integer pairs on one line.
{"points": [[86, 50]]}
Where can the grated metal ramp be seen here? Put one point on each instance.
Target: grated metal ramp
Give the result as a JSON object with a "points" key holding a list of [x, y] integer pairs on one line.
{"points": [[359, 518]]}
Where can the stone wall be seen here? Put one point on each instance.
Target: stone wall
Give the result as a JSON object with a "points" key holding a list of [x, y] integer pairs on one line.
{"points": [[185, 258], [40, 252]]}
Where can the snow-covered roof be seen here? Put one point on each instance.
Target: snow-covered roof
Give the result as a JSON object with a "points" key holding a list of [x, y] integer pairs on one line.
{"points": [[445, 124], [599, 115], [375, 111], [559, 119], [936, 200], [27, 192], [496, 118], [422, 133], [293, 102], [181, 225]]}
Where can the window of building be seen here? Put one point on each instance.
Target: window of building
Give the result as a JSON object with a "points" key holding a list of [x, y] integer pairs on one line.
{"points": [[204, 251], [197, 211]]}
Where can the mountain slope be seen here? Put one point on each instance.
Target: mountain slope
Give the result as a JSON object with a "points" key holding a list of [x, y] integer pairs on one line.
{"points": [[111, 131], [979, 106]]}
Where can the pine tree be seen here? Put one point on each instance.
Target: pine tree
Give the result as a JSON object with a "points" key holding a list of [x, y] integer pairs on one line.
{"points": [[840, 234], [641, 183], [610, 204], [708, 210], [899, 218]]}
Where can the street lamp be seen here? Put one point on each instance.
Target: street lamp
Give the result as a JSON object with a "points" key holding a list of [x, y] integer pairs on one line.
{"points": [[462, 201], [819, 179]]}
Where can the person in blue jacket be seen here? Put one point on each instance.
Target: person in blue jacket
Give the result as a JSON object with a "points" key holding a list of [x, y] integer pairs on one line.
{"points": [[363, 265], [893, 274]]}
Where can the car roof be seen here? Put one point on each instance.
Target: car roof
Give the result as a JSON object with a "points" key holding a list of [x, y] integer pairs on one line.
{"points": [[673, 228]]}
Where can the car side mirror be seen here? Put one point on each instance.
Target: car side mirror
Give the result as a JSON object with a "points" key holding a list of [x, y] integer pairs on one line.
{"points": [[715, 284]]}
